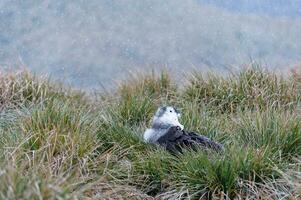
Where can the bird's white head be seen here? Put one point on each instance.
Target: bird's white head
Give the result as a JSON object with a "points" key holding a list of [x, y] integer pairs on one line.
{"points": [[167, 116]]}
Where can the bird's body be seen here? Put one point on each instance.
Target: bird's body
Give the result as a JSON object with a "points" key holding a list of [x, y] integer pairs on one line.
{"points": [[167, 131], [175, 139]]}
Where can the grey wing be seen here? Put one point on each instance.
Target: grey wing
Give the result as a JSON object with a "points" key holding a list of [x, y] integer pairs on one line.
{"points": [[170, 140], [173, 134], [175, 140], [205, 141]]}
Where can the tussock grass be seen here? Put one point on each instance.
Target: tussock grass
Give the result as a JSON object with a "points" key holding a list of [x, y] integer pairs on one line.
{"points": [[252, 88], [58, 143], [22, 88]]}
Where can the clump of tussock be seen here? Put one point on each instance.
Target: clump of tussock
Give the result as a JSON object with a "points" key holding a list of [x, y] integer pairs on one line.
{"points": [[292, 176], [151, 173], [279, 131], [150, 85], [22, 87], [207, 175], [140, 96], [296, 75], [113, 132], [42, 175], [251, 89], [57, 144], [62, 124]]}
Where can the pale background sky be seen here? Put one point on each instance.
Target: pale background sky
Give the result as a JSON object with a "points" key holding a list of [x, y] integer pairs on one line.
{"points": [[88, 43]]}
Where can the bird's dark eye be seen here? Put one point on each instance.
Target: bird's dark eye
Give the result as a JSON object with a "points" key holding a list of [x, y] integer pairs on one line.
{"points": [[170, 111]]}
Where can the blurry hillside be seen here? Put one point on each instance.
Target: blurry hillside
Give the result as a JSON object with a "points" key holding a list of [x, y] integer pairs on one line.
{"points": [[88, 43], [288, 8]]}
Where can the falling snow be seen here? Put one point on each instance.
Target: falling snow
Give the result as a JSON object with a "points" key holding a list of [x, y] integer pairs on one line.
{"points": [[92, 42]]}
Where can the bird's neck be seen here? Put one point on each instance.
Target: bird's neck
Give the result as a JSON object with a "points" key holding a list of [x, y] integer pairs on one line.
{"points": [[161, 126]]}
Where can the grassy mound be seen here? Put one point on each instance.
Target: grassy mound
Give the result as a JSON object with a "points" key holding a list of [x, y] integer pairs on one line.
{"points": [[58, 143]]}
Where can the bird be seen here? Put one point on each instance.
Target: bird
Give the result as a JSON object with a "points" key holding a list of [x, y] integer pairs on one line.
{"points": [[168, 132]]}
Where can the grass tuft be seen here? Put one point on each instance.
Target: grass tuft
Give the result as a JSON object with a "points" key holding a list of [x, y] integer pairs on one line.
{"points": [[58, 143], [251, 89]]}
